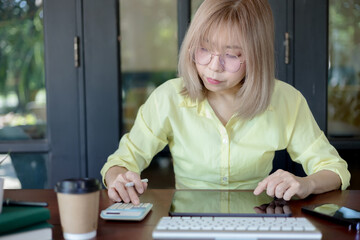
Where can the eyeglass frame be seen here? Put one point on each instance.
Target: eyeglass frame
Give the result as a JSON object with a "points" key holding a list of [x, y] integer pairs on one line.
{"points": [[220, 58]]}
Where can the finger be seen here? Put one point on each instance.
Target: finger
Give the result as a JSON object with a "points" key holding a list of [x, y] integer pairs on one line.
{"points": [[280, 189], [287, 209], [113, 195], [272, 184], [272, 204], [270, 210], [145, 185], [290, 193], [139, 186], [269, 183], [134, 193], [134, 198], [135, 178], [263, 206], [260, 187], [279, 210], [258, 210], [122, 191]]}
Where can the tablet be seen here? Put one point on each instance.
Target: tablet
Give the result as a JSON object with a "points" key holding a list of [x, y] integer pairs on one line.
{"points": [[226, 203]]}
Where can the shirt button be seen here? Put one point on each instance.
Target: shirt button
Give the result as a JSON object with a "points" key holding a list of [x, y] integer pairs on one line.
{"points": [[225, 140], [225, 179]]}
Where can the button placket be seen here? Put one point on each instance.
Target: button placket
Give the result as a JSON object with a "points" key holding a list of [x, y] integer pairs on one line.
{"points": [[224, 155]]}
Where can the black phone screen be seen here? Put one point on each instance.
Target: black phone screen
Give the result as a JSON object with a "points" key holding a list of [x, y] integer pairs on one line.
{"points": [[334, 211]]}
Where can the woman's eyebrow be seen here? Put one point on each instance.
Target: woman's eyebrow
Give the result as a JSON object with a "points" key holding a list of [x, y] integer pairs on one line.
{"points": [[233, 47], [237, 47]]}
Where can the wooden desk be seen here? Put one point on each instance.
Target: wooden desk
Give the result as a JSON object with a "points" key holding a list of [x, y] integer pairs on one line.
{"points": [[161, 199]]}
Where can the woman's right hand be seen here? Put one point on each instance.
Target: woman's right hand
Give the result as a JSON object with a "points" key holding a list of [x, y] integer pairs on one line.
{"points": [[116, 178]]}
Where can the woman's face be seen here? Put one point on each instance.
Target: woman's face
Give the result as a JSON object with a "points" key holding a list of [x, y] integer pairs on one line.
{"points": [[219, 72]]}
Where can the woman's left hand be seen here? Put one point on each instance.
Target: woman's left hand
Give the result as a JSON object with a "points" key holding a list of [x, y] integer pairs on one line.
{"points": [[285, 185]]}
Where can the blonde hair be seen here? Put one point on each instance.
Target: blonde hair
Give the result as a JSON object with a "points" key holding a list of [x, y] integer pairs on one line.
{"points": [[250, 22]]}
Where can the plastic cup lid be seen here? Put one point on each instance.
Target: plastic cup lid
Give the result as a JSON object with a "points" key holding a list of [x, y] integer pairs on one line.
{"points": [[78, 185]]}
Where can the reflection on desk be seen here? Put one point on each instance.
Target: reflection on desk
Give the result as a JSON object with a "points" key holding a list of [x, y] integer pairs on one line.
{"points": [[226, 203], [161, 198]]}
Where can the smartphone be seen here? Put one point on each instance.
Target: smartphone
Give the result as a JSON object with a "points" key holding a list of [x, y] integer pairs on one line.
{"points": [[335, 213]]}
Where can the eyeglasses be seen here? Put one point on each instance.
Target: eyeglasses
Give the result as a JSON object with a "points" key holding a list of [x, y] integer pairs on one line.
{"points": [[228, 62]]}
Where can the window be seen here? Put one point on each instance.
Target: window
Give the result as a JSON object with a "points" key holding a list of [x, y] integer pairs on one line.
{"points": [[22, 83], [22, 94], [148, 51], [344, 69]]}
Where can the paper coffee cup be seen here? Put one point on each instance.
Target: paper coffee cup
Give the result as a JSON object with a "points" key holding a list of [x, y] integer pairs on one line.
{"points": [[78, 201]]}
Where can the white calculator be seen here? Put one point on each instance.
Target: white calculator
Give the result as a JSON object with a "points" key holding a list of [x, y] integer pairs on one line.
{"points": [[126, 211]]}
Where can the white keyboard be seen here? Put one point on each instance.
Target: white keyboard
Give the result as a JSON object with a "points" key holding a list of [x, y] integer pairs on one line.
{"points": [[231, 228]]}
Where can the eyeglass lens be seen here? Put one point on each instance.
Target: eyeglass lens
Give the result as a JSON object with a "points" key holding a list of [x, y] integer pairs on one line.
{"points": [[229, 63]]}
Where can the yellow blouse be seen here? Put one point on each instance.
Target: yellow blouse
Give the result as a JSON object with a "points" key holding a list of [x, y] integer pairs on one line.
{"points": [[208, 155]]}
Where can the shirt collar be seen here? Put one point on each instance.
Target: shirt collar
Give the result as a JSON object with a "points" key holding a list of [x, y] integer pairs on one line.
{"points": [[201, 106], [187, 102]]}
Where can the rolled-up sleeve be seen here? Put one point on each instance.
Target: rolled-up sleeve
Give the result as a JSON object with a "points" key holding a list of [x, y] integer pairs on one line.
{"points": [[309, 146], [142, 143]]}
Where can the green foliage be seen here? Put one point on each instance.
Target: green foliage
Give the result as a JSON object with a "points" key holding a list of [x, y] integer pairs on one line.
{"points": [[344, 68], [21, 51], [344, 32]]}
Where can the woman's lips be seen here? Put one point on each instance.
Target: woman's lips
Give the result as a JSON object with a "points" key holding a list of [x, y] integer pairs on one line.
{"points": [[213, 81]]}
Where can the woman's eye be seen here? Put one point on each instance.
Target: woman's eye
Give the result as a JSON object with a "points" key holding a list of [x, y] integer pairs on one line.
{"points": [[231, 56]]}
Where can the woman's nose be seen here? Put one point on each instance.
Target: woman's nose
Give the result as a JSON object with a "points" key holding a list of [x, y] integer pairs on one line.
{"points": [[215, 64]]}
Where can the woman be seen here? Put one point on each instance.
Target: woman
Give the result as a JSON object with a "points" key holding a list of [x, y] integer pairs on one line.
{"points": [[226, 115]]}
